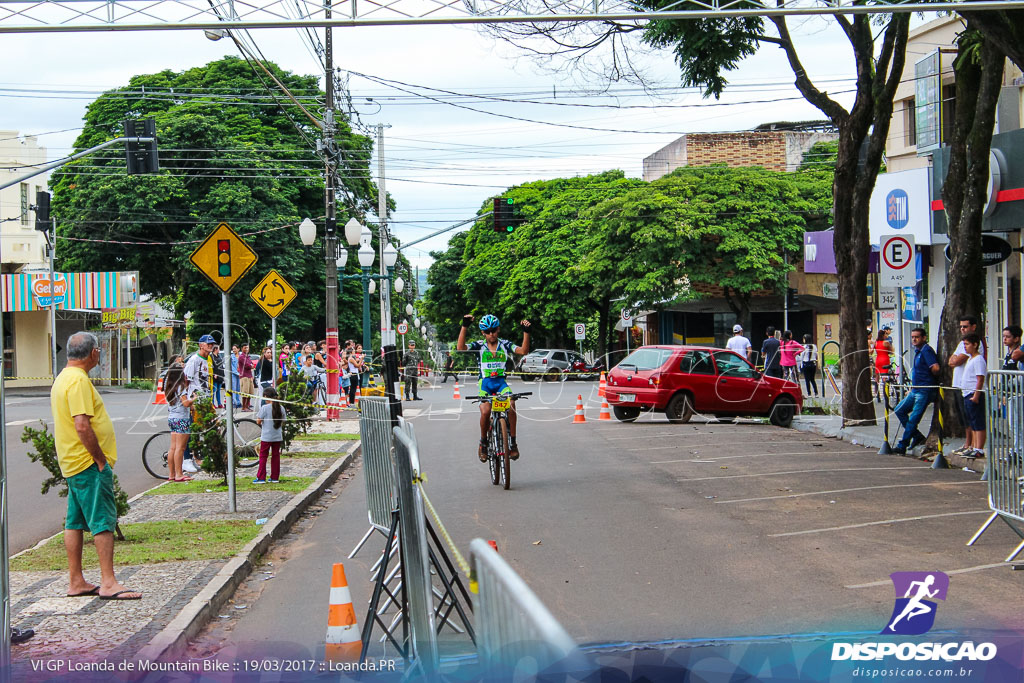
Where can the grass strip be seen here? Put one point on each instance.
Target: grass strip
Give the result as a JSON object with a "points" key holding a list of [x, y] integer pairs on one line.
{"points": [[150, 543], [292, 484], [327, 437]]}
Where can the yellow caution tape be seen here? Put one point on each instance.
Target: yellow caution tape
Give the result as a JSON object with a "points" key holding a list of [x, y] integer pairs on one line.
{"points": [[459, 559]]}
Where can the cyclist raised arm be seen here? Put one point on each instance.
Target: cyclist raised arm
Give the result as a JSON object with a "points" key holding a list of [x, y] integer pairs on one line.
{"points": [[494, 352]]}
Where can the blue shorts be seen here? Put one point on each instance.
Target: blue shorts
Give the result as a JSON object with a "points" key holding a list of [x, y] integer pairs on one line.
{"points": [[974, 413], [493, 385]]}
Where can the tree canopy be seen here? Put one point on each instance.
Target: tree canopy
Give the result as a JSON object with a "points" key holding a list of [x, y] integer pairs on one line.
{"points": [[228, 152]]}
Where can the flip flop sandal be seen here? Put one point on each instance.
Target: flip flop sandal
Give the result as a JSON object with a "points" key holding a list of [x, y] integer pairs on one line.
{"points": [[183, 479], [95, 590], [118, 594]]}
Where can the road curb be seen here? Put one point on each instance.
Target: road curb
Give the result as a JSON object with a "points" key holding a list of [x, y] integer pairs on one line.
{"points": [[171, 641], [841, 433]]}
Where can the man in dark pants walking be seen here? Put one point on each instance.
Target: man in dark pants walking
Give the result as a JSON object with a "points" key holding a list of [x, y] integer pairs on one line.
{"points": [[411, 365], [770, 353], [449, 367]]}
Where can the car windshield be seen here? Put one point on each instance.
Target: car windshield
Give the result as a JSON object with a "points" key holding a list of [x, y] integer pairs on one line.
{"points": [[646, 359]]}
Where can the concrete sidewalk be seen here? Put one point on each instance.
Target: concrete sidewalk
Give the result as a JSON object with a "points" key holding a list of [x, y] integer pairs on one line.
{"points": [[178, 597], [873, 436]]}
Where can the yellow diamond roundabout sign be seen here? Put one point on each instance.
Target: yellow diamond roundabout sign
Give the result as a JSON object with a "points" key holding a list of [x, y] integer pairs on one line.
{"points": [[273, 294]]}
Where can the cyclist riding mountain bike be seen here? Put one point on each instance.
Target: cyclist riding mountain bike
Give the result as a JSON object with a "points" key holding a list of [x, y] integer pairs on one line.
{"points": [[494, 353]]}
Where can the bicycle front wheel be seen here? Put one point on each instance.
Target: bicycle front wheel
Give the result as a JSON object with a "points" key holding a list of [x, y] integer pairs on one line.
{"points": [[492, 454], [247, 442], [505, 460], [154, 454]]}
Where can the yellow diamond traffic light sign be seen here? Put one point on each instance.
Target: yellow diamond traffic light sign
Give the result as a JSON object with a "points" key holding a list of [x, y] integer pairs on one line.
{"points": [[223, 257], [273, 294]]}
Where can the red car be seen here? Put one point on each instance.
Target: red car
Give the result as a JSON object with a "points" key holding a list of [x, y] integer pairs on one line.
{"points": [[681, 380]]}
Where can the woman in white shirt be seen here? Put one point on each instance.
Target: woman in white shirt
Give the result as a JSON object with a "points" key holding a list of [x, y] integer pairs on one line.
{"points": [[809, 365]]}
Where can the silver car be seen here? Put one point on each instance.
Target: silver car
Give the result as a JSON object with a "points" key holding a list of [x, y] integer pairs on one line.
{"points": [[549, 364]]}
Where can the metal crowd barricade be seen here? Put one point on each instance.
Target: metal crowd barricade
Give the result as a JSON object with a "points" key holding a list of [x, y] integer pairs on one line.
{"points": [[415, 562], [377, 442], [512, 624], [1004, 452]]}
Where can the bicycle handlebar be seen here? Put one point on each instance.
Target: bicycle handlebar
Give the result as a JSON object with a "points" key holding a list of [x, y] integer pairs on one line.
{"points": [[523, 394]]}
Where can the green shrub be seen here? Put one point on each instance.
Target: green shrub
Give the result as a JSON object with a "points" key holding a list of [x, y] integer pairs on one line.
{"points": [[45, 452], [140, 384], [207, 441], [300, 410]]}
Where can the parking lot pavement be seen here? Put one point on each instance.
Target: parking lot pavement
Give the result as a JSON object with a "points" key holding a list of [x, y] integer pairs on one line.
{"points": [[839, 516]]}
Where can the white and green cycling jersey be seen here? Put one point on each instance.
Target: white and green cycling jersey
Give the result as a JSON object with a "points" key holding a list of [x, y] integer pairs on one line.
{"points": [[492, 363]]}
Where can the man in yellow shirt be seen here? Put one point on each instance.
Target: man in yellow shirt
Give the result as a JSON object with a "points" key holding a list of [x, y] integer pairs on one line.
{"points": [[86, 452]]}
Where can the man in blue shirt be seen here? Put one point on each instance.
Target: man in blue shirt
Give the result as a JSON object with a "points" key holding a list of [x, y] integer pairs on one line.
{"points": [[923, 378]]}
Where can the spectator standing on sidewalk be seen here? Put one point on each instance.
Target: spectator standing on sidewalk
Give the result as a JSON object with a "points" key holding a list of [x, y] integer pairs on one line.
{"points": [[245, 383], [353, 374], [236, 400], [924, 374], [264, 373], [411, 365], [770, 352], [957, 361], [179, 420], [218, 375], [740, 344], [271, 420], [197, 370], [1014, 360], [86, 452], [883, 360], [809, 365], [789, 349], [972, 384]]}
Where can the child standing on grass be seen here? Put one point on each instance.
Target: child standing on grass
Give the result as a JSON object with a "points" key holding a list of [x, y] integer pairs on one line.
{"points": [[972, 383], [271, 418]]}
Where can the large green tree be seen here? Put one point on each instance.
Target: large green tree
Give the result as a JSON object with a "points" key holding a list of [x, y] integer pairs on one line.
{"points": [[229, 151]]}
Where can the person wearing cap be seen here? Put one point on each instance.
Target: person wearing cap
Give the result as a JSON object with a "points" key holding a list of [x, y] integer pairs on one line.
{"points": [[739, 343], [197, 371], [411, 363]]}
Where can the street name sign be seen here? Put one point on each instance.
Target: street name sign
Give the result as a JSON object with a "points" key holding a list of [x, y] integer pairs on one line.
{"points": [[223, 257], [273, 294], [887, 300], [896, 265]]}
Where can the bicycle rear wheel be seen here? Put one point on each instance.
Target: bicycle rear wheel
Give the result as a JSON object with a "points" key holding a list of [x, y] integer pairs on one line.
{"points": [[320, 397], [154, 454], [247, 442], [503, 449]]}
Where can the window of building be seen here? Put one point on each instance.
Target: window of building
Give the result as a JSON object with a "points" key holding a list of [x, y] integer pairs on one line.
{"points": [[910, 122], [948, 111], [24, 203]]}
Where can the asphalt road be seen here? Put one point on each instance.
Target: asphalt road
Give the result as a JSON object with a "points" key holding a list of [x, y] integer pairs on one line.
{"points": [[652, 531], [34, 516]]}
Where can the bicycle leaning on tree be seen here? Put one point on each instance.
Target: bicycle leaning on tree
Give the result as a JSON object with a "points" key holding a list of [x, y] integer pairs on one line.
{"points": [[247, 446]]}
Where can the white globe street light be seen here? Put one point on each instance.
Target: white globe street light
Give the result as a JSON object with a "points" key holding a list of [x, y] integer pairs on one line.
{"points": [[307, 232], [366, 255], [423, 329], [372, 287], [365, 236], [399, 284], [353, 229], [416, 322], [390, 255], [409, 309], [342, 259]]}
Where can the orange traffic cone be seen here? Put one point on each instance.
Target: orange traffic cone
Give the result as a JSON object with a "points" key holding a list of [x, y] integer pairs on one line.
{"points": [[579, 417], [160, 399], [344, 400], [343, 644], [456, 394], [605, 415], [359, 395], [601, 385], [493, 544]]}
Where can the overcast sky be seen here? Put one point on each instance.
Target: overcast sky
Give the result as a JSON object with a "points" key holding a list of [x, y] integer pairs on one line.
{"points": [[457, 157]]}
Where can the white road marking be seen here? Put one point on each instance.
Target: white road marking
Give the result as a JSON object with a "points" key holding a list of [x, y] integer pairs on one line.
{"points": [[884, 521], [775, 474], [888, 582], [860, 488], [747, 455], [16, 423]]}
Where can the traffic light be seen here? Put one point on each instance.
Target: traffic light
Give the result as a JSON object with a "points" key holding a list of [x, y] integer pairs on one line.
{"points": [[504, 214], [224, 258], [42, 211], [142, 156], [791, 298]]}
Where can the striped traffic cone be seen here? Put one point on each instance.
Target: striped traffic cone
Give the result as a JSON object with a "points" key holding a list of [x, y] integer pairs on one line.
{"points": [[605, 415], [579, 417], [601, 385], [456, 394], [344, 399], [160, 399], [359, 395], [343, 643]]}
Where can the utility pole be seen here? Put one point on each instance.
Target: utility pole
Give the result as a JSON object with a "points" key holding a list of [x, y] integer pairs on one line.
{"points": [[330, 237], [386, 332]]}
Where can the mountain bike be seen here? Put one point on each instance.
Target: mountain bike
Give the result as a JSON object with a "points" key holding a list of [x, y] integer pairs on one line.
{"points": [[498, 436], [247, 447], [316, 391]]}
